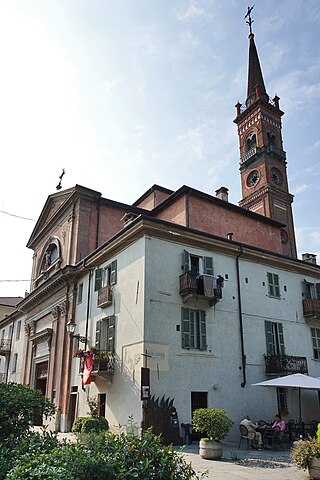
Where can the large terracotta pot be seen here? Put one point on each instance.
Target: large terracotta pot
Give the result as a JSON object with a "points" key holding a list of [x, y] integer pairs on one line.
{"points": [[210, 450], [314, 469]]}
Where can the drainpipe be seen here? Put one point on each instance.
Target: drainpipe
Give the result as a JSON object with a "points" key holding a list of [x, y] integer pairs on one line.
{"points": [[88, 308], [187, 208], [243, 357], [98, 203]]}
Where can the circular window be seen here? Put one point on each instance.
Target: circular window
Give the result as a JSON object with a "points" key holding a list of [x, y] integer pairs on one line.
{"points": [[276, 176], [253, 178]]}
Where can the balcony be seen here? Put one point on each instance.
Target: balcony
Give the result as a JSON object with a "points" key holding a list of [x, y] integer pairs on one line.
{"points": [[105, 295], [5, 347], [277, 151], [3, 378], [285, 364], [311, 310], [249, 154], [201, 286], [103, 364]]}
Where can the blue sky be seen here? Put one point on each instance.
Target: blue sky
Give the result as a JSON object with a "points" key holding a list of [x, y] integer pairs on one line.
{"points": [[124, 94]]}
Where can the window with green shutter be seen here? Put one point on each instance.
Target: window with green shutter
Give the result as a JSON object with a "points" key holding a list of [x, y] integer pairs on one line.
{"points": [[193, 329], [105, 334], [315, 336], [273, 285], [274, 338], [196, 264], [98, 279]]}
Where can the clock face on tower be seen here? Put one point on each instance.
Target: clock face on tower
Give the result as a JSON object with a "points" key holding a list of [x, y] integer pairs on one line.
{"points": [[253, 178], [276, 176]]}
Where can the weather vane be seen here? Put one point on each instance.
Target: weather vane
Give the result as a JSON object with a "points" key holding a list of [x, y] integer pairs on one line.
{"points": [[249, 21], [58, 187]]}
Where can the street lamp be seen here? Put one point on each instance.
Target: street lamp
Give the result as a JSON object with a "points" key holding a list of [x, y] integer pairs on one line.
{"points": [[70, 327]]}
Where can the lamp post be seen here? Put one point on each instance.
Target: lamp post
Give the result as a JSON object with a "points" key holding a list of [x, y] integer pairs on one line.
{"points": [[70, 327]]}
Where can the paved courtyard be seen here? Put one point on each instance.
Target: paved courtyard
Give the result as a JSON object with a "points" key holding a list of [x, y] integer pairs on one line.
{"points": [[242, 464]]}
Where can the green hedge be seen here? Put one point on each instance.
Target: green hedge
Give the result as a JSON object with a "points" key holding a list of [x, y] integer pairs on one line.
{"points": [[90, 424]]}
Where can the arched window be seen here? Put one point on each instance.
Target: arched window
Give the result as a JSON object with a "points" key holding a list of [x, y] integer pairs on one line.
{"points": [[271, 139], [251, 141], [51, 254]]}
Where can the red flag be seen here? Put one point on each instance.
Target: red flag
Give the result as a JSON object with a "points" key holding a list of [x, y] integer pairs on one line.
{"points": [[88, 365]]}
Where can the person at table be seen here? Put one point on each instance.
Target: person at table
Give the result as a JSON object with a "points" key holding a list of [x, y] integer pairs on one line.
{"points": [[254, 436], [279, 425]]}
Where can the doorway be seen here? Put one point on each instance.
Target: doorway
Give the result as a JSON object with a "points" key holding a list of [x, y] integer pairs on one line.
{"points": [[198, 400]]}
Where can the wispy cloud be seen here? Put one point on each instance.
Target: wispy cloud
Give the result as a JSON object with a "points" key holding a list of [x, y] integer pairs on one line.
{"points": [[314, 147], [190, 12], [300, 188]]}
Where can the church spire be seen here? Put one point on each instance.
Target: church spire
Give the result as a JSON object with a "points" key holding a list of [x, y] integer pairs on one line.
{"points": [[256, 87]]}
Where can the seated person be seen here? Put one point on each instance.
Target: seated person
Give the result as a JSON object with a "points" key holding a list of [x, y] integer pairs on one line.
{"points": [[254, 436], [279, 426]]}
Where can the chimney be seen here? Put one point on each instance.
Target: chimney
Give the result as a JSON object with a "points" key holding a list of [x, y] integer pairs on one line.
{"points": [[309, 258], [222, 193]]}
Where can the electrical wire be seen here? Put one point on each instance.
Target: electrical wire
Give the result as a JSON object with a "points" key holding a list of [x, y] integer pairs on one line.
{"points": [[17, 216]]}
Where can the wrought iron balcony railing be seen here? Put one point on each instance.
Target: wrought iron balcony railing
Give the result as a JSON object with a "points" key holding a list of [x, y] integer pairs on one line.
{"points": [[206, 286], [311, 308], [103, 362], [105, 295], [5, 346], [285, 364]]}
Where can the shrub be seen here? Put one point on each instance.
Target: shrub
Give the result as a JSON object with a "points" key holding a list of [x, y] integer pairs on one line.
{"points": [[19, 406], [106, 456], [303, 451], [214, 423], [90, 424], [32, 443]]}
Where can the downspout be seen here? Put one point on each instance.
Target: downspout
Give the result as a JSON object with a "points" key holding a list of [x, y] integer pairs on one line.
{"points": [[98, 203], [243, 356], [88, 308], [10, 351], [187, 208]]}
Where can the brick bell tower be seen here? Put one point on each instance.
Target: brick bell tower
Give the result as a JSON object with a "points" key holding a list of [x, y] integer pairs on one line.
{"points": [[262, 158]]}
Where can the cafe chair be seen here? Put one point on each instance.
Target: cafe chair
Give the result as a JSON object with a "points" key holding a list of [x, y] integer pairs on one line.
{"points": [[244, 436]]}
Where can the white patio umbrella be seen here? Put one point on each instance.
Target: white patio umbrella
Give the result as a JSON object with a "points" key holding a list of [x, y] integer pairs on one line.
{"points": [[296, 380]]}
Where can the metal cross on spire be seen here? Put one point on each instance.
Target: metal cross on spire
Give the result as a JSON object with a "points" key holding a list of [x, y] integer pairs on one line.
{"points": [[249, 21]]}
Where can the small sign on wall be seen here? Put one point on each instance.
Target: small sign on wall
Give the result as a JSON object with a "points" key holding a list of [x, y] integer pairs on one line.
{"points": [[145, 383]]}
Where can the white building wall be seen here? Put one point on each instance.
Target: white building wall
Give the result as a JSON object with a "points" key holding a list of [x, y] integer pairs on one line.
{"points": [[218, 370], [147, 306]]}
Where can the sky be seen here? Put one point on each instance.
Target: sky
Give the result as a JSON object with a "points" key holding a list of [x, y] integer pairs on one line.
{"points": [[125, 94]]}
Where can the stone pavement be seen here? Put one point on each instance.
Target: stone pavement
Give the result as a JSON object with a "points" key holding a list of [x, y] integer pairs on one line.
{"points": [[242, 464]]}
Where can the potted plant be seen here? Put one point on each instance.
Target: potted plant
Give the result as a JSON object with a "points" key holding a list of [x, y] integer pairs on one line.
{"points": [[305, 454], [215, 425]]}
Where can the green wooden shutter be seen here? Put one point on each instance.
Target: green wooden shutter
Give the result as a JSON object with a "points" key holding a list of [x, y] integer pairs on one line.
{"points": [[98, 279], [111, 334], [208, 265], [113, 273], [185, 327], [276, 285], [269, 337], [318, 290], [270, 284], [203, 336], [281, 339], [185, 261], [306, 289], [98, 329]]}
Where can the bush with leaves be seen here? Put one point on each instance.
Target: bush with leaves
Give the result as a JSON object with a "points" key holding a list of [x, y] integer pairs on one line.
{"points": [[90, 425], [19, 406], [33, 443], [108, 456], [214, 423]]}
